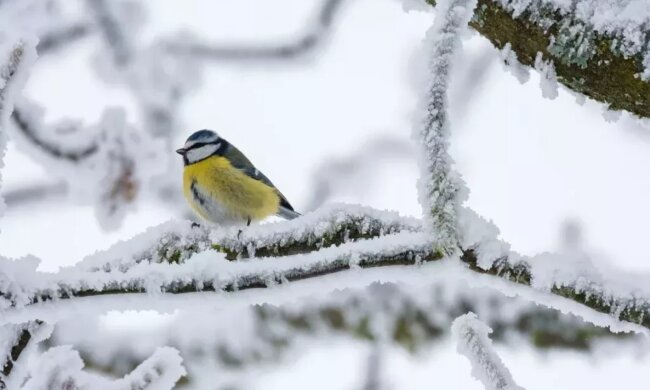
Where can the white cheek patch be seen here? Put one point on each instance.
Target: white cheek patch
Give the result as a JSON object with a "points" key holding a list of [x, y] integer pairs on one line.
{"points": [[203, 152]]}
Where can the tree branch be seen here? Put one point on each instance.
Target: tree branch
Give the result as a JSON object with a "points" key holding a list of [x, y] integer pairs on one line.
{"points": [[632, 308], [111, 30], [472, 341], [62, 368], [17, 338], [32, 131], [129, 268], [441, 190], [314, 36], [32, 193], [61, 37], [588, 62], [414, 318]]}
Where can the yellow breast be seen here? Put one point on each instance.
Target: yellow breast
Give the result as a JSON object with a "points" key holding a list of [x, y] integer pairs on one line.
{"points": [[230, 188]]}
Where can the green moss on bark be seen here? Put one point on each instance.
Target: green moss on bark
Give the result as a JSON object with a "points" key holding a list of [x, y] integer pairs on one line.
{"points": [[600, 72]]}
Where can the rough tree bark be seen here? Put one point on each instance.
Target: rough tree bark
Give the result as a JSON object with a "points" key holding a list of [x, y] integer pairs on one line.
{"points": [[605, 75]]}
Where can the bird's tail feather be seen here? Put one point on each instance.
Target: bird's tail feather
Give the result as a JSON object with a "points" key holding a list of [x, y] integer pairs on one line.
{"points": [[287, 213]]}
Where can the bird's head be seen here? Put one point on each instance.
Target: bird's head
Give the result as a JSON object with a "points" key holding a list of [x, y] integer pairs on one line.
{"points": [[201, 145]]}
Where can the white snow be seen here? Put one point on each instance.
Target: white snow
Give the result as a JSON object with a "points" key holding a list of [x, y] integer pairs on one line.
{"points": [[415, 5], [152, 246], [134, 256], [473, 342], [315, 228], [205, 269]]}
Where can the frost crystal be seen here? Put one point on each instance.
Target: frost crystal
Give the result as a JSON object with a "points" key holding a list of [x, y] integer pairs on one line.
{"points": [[611, 116], [513, 65], [547, 77], [473, 342], [646, 65], [441, 189]]}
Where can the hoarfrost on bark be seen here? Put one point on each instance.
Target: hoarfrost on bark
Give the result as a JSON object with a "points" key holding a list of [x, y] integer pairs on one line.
{"points": [[474, 343], [441, 190]]}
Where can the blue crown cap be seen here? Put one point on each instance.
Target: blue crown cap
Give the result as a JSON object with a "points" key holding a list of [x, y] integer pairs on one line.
{"points": [[204, 135]]}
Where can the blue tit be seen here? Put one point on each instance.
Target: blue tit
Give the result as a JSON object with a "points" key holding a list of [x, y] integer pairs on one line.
{"points": [[222, 186]]}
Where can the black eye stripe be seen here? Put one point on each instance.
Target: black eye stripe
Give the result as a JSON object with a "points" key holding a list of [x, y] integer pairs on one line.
{"points": [[198, 145]]}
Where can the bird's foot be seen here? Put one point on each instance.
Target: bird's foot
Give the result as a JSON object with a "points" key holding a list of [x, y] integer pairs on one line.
{"points": [[239, 233]]}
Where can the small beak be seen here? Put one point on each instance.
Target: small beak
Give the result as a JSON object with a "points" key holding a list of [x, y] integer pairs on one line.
{"points": [[181, 151]]}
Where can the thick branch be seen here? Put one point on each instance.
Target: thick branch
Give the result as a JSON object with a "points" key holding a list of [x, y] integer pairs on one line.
{"points": [[589, 63], [214, 273], [589, 293], [135, 267], [329, 226]]}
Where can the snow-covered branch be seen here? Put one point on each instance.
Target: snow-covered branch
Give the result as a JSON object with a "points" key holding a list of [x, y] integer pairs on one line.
{"points": [[108, 164], [624, 299], [47, 141], [178, 259], [109, 24], [211, 271], [175, 242], [61, 368], [598, 48], [441, 189], [416, 318], [14, 339], [472, 337]]}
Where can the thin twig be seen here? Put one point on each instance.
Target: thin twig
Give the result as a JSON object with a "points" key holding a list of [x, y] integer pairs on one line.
{"points": [[301, 46], [57, 39]]}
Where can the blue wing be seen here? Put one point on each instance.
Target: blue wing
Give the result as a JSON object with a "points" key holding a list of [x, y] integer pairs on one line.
{"points": [[239, 161]]}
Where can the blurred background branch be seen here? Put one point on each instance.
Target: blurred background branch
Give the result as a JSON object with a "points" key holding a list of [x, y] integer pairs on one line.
{"points": [[314, 35], [380, 315]]}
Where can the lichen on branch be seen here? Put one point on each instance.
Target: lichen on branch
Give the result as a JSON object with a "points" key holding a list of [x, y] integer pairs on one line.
{"points": [[594, 62]]}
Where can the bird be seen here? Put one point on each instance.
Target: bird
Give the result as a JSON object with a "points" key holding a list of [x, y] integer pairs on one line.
{"points": [[223, 187]]}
